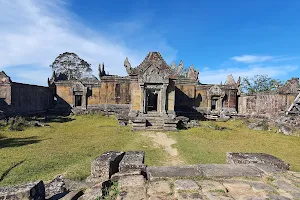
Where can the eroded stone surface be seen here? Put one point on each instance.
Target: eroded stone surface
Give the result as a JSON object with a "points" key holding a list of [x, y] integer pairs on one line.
{"points": [[132, 160], [131, 181], [209, 185], [104, 166], [183, 185], [159, 187], [189, 196], [254, 158]]}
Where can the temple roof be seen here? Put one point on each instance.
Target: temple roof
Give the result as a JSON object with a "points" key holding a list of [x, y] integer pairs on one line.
{"points": [[155, 59]]}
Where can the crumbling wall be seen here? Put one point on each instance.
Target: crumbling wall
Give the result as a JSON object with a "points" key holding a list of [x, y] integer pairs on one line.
{"points": [[28, 99], [264, 103]]}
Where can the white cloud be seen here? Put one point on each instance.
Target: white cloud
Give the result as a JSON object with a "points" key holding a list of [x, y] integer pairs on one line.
{"points": [[218, 75], [252, 58], [34, 32]]}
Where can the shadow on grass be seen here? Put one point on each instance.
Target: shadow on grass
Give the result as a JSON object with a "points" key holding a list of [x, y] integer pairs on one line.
{"points": [[58, 119], [9, 169], [17, 142]]}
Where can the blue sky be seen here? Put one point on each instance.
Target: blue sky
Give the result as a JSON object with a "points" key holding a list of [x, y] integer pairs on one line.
{"points": [[218, 37]]}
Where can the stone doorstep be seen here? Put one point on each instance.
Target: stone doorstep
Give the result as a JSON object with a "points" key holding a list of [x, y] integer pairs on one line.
{"points": [[205, 170]]}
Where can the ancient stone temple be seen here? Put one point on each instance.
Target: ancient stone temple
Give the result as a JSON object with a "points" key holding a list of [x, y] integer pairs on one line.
{"points": [[152, 96]]}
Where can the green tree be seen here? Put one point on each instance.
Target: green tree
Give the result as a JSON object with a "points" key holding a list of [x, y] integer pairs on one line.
{"points": [[71, 66], [260, 83]]}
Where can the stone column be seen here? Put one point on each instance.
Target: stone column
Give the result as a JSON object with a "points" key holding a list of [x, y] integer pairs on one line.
{"points": [[142, 110], [163, 98]]}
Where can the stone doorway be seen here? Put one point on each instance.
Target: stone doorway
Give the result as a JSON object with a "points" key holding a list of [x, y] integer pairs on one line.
{"points": [[214, 103], [152, 100], [78, 100]]}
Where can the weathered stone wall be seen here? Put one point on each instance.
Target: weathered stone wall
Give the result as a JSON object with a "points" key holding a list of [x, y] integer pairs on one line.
{"points": [[264, 104], [111, 90], [202, 98], [27, 99]]}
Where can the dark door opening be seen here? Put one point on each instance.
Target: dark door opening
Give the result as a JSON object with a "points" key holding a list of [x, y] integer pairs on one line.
{"points": [[152, 101], [214, 104], [78, 100]]}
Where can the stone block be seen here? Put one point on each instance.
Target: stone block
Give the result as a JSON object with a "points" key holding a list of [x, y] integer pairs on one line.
{"points": [[256, 158], [132, 160], [131, 181], [228, 170], [92, 193], [183, 185], [33, 191], [159, 187], [105, 165], [56, 186], [173, 171], [189, 196]]}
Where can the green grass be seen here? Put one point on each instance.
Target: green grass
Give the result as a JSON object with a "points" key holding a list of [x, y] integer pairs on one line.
{"points": [[67, 148], [205, 145]]}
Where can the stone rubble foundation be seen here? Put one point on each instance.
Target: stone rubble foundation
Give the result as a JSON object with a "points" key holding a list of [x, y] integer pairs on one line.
{"points": [[124, 176]]}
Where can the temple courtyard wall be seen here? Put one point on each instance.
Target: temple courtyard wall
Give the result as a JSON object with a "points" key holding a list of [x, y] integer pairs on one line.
{"points": [[264, 104], [23, 99]]}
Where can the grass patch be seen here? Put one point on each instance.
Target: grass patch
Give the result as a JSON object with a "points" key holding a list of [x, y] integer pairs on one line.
{"points": [[67, 147], [205, 145]]}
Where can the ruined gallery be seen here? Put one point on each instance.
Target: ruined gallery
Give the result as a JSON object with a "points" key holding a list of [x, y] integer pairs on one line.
{"points": [[154, 95]]}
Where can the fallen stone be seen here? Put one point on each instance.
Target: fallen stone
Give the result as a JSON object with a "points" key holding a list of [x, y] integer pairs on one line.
{"points": [[132, 160], [35, 191], [256, 158], [55, 187], [104, 166], [183, 185], [285, 130], [92, 193]]}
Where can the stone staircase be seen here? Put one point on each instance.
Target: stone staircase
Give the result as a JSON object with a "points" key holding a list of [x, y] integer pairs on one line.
{"points": [[154, 122]]}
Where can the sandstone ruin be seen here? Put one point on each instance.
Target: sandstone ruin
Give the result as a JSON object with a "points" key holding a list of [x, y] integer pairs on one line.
{"points": [[154, 95], [123, 175]]}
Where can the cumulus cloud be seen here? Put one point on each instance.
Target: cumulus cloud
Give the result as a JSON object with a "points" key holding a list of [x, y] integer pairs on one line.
{"points": [[252, 58], [34, 32], [218, 75]]}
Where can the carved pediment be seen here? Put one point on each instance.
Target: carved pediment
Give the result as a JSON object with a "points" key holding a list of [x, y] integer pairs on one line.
{"points": [[154, 74], [153, 69], [78, 87], [216, 91]]}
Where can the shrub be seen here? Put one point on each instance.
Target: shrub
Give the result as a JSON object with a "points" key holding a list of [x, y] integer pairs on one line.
{"points": [[17, 124]]}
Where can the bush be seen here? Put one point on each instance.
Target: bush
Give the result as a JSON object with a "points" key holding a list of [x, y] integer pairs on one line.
{"points": [[17, 124]]}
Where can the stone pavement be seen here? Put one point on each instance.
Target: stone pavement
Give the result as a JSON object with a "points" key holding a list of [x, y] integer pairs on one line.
{"points": [[280, 186]]}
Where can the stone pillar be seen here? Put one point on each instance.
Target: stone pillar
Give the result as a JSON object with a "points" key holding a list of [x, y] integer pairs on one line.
{"points": [[163, 98], [143, 96]]}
